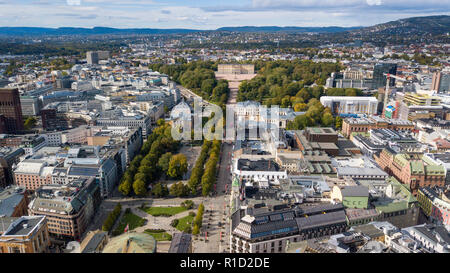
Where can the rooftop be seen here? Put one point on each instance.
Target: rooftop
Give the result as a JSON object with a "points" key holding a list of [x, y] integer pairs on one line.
{"points": [[131, 242], [9, 199], [24, 225], [257, 165]]}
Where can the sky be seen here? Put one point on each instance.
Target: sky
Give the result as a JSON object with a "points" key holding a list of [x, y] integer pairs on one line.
{"points": [[211, 14]]}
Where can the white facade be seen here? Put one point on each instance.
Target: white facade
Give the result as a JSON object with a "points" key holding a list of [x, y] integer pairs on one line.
{"points": [[350, 105]]}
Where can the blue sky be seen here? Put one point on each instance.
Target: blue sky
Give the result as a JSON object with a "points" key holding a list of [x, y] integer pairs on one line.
{"points": [[211, 14]]}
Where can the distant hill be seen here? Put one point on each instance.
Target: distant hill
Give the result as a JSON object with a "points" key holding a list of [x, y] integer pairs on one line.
{"points": [[22, 31], [331, 29], [415, 25]]}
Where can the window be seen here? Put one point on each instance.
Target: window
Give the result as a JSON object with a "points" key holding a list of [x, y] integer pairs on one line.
{"points": [[14, 249]]}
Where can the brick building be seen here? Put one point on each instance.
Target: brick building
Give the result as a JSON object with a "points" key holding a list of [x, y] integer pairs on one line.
{"points": [[363, 125], [33, 174], [413, 170]]}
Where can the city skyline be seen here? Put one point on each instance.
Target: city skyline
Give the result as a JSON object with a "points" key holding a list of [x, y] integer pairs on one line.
{"points": [[208, 15]]}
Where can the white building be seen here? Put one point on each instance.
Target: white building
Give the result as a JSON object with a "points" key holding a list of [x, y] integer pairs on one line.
{"points": [[350, 105]]}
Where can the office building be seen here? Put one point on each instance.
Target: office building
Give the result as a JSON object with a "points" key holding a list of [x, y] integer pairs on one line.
{"points": [[379, 79], [31, 106], [134, 122], [348, 80], [9, 156], [257, 230], [441, 82], [350, 105], [11, 110], [352, 126], [68, 208], [92, 57], [33, 174], [421, 99]]}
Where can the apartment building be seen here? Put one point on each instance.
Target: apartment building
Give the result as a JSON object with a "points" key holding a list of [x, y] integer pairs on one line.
{"points": [[68, 208]]}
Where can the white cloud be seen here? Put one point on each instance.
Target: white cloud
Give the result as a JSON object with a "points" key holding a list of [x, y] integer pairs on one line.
{"points": [[73, 2], [374, 2], [143, 13]]}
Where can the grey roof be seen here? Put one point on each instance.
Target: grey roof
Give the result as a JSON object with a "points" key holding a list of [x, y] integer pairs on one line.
{"points": [[5, 222], [257, 165], [355, 191], [287, 221], [24, 225], [83, 171], [327, 208], [433, 232], [321, 219], [93, 243], [7, 205], [356, 171]]}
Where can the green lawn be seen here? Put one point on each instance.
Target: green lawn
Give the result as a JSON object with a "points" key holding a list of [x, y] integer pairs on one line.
{"points": [[163, 211], [159, 235], [184, 222], [133, 220]]}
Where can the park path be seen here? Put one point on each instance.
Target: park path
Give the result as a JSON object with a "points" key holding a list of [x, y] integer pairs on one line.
{"points": [[159, 222]]}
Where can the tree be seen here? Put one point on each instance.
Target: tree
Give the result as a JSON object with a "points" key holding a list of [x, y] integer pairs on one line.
{"points": [[303, 94], [139, 188], [125, 188], [160, 190], [164, 161], [187, 229], [179, 189], [29, 123], [208, 86], [177, 166], [160, 122], [338, 122], [327, 119], [298, 107], [196, 230]]}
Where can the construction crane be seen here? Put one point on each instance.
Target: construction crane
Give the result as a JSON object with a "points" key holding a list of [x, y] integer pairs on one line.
{"points": [[386, 92]]}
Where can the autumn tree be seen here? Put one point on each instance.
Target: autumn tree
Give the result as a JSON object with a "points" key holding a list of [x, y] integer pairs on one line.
{"points": [[178, 166]]}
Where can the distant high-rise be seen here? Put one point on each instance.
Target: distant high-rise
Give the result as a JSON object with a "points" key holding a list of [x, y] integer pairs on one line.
{"points": [[103, 55], [441, 82], [379, 80], [11, 110], [92, 57]]}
